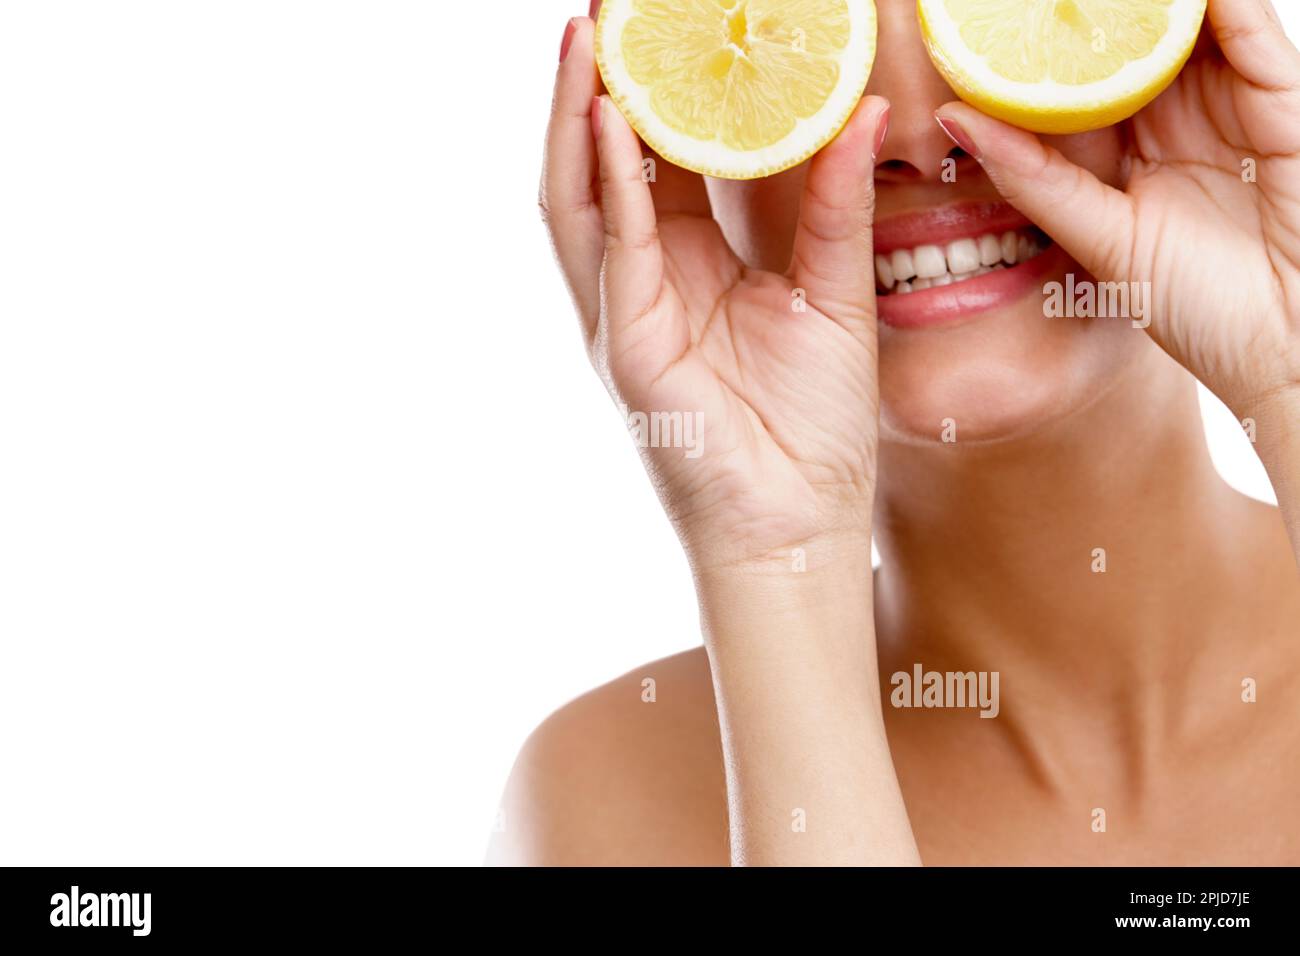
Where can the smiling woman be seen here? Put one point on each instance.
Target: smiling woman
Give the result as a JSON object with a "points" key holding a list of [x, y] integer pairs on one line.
{"points": [[869, 342]]}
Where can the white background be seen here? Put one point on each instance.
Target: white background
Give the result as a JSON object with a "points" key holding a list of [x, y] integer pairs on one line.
{"points": [[310, 506]]}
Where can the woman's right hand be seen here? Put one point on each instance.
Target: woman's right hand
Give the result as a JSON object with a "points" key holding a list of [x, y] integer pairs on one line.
{"points": [[675, 323], [780, 370]]}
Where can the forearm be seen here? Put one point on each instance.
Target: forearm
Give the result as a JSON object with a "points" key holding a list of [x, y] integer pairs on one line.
{"points": [[1277, 441], [809, 776]]}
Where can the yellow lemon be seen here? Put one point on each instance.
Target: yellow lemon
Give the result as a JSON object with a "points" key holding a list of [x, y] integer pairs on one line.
{"points": [[1060, 66], [736, 88]]}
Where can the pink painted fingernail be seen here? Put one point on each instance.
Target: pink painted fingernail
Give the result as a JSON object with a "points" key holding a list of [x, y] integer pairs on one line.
{"points": [[882, 130], [958, 135], [569, 30], [596, 118]]}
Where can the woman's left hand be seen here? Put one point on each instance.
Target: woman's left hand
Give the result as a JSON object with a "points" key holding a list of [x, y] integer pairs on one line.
{"points": [[1209, 216]]}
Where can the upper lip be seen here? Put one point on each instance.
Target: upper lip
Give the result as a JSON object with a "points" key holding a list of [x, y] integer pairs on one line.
{"points": [[946, 224]]}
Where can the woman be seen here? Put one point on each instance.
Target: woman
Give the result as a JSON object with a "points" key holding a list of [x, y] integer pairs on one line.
{"points": [[1038, 487]]}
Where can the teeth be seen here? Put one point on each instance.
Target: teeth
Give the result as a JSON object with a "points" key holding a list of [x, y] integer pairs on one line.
{"points": [[963, 256], [904, 267], [930, 263], [990, 250], [1009, 248], [930, 266], [884, 272]]}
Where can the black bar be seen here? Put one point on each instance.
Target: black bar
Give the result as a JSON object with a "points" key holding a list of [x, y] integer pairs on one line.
{"points": [[383, 907]]}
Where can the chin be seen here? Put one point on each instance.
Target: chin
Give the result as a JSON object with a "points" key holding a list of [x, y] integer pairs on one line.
{"points": [[999, 374]]}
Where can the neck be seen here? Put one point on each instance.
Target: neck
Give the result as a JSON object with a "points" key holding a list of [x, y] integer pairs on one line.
{"points": [[1091, 563]]}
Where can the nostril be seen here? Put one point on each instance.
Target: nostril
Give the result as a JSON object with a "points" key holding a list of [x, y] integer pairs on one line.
{"points": [[934, 167]]}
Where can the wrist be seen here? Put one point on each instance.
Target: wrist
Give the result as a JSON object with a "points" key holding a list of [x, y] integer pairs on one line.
{"points": [[1274, 426], [773, 531], [1271, 419], [816, 592], [1259, 392], [827, 562]]}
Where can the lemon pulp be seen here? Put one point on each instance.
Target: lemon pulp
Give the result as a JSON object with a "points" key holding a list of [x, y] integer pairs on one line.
{"points": [[739, 70], [1069, 41], [742, 87], [1060, 65]]}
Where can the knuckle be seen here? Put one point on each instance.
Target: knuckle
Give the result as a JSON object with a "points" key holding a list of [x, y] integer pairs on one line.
{"points": [[544, 208], [617, 241]]}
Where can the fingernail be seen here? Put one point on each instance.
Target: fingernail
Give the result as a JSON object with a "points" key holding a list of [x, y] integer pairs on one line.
{"points": [[882, 130], [593, 9], [568, 38], [596, 118], [958, 135]]}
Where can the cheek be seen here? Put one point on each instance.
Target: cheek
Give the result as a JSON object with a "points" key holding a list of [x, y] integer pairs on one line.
{"points": [[758, 216]]}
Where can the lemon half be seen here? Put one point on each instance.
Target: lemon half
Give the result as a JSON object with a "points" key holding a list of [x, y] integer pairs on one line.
{"points": [[736, 88], [1060, 66]]}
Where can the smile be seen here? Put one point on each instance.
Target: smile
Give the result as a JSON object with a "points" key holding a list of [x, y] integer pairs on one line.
{"points": [[928, 266], [945, 265]]}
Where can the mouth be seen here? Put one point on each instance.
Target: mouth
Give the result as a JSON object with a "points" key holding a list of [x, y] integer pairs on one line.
{"points": [[928, 266], [948, 264]]}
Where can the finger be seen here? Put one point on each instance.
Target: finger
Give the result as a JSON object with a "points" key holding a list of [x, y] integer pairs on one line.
{"points": [[632, 280], [1249, 32], [1091, 221], [676, 191], [567, 197], [832, 259]]}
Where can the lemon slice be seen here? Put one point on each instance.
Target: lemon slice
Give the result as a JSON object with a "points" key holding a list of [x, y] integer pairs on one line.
{"points": [[1060, 66], [736, 88]]}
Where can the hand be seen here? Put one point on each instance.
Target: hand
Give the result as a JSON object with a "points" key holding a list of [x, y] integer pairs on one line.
{"points": [[779, 369], [1219, 247]]}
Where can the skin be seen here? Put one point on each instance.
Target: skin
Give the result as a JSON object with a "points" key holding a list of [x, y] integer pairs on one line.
{"points": [[1120, 691]]}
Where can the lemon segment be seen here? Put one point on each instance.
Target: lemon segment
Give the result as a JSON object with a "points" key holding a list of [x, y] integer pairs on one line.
{"points": [[736, 88], [1060, 66]]}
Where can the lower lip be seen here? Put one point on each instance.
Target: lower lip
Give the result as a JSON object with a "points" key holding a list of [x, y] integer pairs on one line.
{"points": [[960, 301]]}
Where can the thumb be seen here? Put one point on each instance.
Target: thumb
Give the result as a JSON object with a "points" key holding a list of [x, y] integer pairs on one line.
{"points": [[832, 259], [1091, 221]]}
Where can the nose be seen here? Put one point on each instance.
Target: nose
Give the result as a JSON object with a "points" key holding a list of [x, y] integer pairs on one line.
{"points": [[916, 148]]}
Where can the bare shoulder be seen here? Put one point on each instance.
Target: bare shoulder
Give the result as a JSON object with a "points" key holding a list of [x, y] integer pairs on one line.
{"points": [[628, 774]]}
